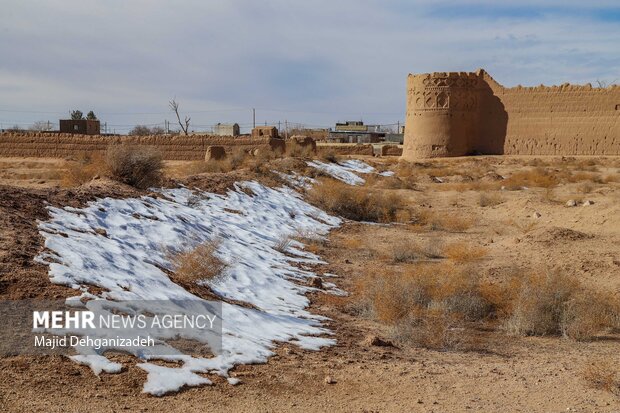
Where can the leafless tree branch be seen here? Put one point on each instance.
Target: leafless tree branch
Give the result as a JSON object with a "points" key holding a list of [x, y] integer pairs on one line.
{"points": [[174, 105]]}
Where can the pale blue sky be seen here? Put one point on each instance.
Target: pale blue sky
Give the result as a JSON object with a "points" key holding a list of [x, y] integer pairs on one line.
{"points": [[314, 62]]}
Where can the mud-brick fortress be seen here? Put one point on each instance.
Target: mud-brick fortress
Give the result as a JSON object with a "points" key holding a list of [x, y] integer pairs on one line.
{"points": [[455, 114]]}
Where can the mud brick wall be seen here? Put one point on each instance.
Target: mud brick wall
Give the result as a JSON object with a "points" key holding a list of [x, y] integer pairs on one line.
{"points": [[462, 113], [347, 149], [182, 148], [391, 150]]}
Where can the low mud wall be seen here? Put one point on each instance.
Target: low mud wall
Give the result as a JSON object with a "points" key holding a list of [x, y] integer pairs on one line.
{"points": [[391, 150], [181, 148], [346, 149]]}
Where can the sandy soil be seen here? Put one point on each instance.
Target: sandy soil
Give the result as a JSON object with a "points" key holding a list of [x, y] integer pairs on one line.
{"points": [[530, 228]]}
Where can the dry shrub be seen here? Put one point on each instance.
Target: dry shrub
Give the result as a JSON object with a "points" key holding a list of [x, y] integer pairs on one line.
{"points": [[585, 188], [394, 296], [358, 203], [196, 264], [456, 290], [463, 252], [296, 150], [410, 251], [486, 199], [432, 329], [552, 303], [211, 166], [83, 169], [283, 243], [534, 178], [450, 222], [329, 156], [352, 243], [602, 375], [140, 167], [395, 182], [237, 157], [429, 305]]}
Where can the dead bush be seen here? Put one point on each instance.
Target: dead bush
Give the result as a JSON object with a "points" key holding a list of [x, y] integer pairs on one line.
{"points": [[487, 199], [196, 264], [237, 157], [395, 296], [211, 166], [283, 243], [410, 251], [463, 252], [329, 156], [602, 375], [358, 203], [140, 167], [294, 149], [432, 329], [552, 303], [450, 222], [83, 169], [456, 290], [534, 178]]}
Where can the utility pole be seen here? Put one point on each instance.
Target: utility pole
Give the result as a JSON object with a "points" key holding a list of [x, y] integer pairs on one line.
{"points": [[253, 118], [279, 125], [286, 129]]}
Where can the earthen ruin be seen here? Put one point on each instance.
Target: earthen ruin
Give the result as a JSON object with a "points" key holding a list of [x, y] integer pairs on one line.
{"points": [[463, 113], [181, 148]]}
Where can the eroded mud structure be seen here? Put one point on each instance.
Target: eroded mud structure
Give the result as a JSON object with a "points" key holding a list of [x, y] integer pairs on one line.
{"points": [[461, 113]]}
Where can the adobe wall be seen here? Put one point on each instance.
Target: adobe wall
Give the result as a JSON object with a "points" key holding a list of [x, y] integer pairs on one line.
{"points": [[184, 148], [454, 114]]}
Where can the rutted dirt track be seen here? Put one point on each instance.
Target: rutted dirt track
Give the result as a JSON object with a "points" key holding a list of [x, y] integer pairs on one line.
{"points": [[512, 374]]}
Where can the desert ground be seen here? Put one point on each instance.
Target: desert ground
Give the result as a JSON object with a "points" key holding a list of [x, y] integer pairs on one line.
{"points": [[498, 220]]}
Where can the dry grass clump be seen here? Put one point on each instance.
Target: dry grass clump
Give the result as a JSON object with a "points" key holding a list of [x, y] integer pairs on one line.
{"points": [[534, 178], [435, 305], [283, 243], [83, 169], [602, 375], [296, 150], [552, 303], [463, 252], [428, 305], [487, 199], [432, 329], [140, 167], [406, 251], [358, 203], [211, 166], [450, 222], [196, 264], [328, 156]]}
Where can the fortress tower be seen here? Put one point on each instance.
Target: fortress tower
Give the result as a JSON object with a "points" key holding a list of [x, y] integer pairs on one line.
{"points": [[442, 114], [461, 113]]}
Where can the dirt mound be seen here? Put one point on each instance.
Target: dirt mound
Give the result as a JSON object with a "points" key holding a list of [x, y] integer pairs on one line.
{"points": [[20, 242], [557, 234]]}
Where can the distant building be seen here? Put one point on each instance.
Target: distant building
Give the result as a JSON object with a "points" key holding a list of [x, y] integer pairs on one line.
{"points": [[355, 132], [80, 126], [265, 131], [227, 129]]}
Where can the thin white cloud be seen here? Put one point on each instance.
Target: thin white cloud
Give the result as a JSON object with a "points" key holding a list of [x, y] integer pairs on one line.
{"points": [[318, 61]]}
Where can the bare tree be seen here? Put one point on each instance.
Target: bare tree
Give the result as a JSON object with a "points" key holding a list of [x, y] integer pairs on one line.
{"points": [[174, 105], [604, 83], [41, 126]]}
